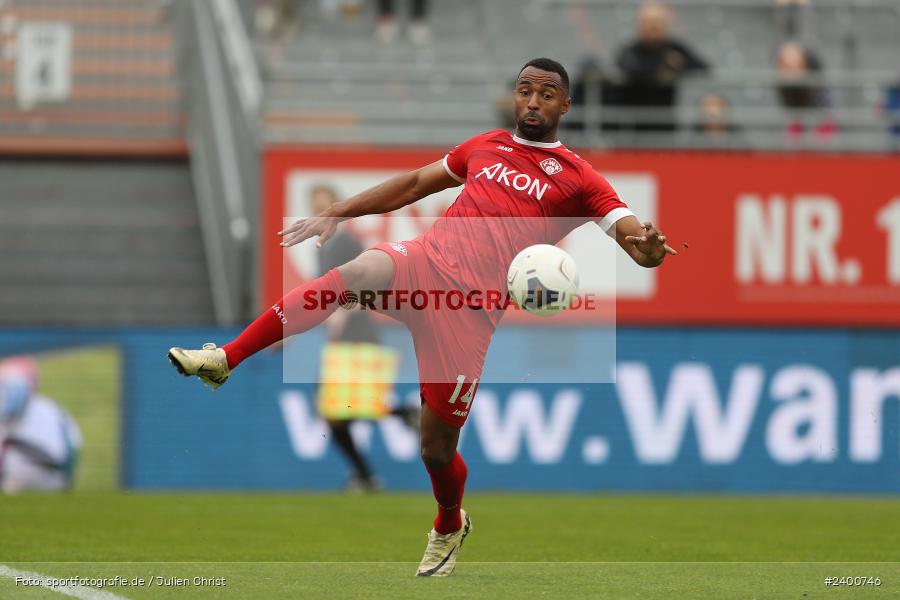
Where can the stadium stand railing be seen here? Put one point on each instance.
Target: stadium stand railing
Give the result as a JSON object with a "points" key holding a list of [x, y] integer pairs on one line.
{"points": [[329, 81], [223, 92]]}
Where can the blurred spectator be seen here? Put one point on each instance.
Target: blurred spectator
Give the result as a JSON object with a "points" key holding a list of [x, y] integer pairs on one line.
{"points": [[800, 87], [892, 110], [592, 85], [280, 19], [652, 66], [39, 441], [334, 9], [418, 30], [715, 118], [802, 93], [353, 337], [275, 19]]}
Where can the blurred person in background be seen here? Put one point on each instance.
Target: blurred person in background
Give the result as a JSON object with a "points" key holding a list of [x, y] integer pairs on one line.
{"points": [[652, 66], [800, 87], [802, 92], [275, 19], [353, 342], [386, 29], [39, 441], [280, 19], [892, 110], [714, 122], [594, 84]]}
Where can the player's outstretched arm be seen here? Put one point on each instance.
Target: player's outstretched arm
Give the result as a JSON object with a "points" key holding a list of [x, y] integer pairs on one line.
{"points": [[386, 197], [643, 242]]}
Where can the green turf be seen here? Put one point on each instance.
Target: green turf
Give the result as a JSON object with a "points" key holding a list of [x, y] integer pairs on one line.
{"points": [[326, 546], [85, 381], [482, 580]]}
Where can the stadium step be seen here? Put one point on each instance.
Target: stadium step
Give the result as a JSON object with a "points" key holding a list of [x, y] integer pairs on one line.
{"points": [[98, 243]]}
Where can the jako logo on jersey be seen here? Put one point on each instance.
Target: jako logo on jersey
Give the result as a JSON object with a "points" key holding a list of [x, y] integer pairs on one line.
{"points": [[550, 166], [398, 247], [514, 179], [504, 148]]}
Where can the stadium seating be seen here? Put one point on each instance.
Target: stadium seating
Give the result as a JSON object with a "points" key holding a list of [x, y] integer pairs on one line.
{"points": [[86, 239], [331, 81], [75, 250], [124, 93]]}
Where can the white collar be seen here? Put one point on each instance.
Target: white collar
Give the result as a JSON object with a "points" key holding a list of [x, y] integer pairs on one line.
{"points": [[525, 142]]}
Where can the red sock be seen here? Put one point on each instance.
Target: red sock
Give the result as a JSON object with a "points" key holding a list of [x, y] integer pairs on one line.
{"points": [[301, 309], [448, 484]]}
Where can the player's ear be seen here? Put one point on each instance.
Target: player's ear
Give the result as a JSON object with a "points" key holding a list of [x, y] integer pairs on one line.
{"points": [[566, 105]]}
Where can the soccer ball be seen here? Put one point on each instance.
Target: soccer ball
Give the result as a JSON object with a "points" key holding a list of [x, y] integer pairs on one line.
{"points": [[542, 279]]}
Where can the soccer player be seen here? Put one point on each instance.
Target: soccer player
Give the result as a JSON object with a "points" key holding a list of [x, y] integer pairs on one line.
{"points": [[520, 189]]}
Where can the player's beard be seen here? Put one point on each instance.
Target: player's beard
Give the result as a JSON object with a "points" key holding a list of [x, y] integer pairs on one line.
{"points": [[534, 132]]}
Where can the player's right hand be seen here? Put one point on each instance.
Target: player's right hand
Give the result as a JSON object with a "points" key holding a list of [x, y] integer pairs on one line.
{"points": [[303, 229]]}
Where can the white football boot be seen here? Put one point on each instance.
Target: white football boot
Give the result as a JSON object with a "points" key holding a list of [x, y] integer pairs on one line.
{"points": [[208, 364], [442, 550]]}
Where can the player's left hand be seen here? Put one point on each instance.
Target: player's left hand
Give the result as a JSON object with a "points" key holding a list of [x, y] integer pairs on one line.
{"points": [[301, 230], [652, 242]]}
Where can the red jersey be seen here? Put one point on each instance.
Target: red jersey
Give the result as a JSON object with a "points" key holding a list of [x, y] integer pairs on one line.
{"points": [[517, 193]]}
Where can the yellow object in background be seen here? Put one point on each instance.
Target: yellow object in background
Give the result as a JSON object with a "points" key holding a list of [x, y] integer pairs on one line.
{"points": [[356, 380]]}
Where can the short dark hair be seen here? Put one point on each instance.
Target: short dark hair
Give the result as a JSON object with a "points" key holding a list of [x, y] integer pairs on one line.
{"points": [[548, 64]]}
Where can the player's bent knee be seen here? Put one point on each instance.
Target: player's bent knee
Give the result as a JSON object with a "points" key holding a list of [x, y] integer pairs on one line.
{"points": [[370, 270], [353, 273]]}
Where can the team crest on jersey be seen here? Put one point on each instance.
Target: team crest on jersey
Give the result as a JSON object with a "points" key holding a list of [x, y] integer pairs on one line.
{"points": [[550, 166], [398, 247]]}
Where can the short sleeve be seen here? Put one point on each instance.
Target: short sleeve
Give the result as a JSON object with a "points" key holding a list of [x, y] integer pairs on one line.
{"points": [[456, 161], [601, 200]]}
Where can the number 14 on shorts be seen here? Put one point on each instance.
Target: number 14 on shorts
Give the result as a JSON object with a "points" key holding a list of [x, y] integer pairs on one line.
{"points": [[467, 397]]}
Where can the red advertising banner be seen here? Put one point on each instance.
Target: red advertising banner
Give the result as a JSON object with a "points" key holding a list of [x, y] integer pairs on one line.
{"points": [[763, 238]]}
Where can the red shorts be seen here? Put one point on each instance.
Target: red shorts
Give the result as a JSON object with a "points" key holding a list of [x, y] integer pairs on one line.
{"points": [[451, 339]]}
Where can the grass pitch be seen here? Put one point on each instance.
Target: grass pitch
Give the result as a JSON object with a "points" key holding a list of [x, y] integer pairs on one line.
{"points": [[522, 546]]}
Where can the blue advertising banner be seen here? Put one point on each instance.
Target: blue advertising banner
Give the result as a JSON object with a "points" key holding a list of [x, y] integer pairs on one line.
{"points": [[741, 410]]}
